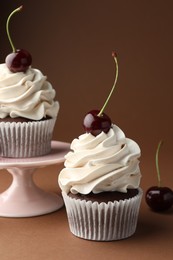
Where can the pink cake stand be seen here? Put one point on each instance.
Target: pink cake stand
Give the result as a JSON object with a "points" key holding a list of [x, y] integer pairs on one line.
{"points": [[23, 198]]}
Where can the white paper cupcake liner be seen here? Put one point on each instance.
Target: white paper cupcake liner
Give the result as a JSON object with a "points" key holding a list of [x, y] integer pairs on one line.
{"points": [[26, 139], [105, 221]]}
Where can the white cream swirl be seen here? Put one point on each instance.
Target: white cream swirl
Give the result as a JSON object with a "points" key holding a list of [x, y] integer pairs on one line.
{"points": [[107, 162], [27, 95]]}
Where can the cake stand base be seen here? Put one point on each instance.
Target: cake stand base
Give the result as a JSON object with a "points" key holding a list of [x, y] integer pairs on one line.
{"points": [[24, 198]]}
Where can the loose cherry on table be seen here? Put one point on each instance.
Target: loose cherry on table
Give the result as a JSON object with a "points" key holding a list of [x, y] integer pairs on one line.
{"points": [[96, 121], [19, 60], [159, 198]]}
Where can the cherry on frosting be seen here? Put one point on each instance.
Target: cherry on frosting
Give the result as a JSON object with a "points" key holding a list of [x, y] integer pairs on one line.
{"points": [[94, 123], [97, 121], [19, 60]]}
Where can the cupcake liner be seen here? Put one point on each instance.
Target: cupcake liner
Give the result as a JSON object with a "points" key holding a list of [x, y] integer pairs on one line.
{"points": [[26, 139], [103, 221]]}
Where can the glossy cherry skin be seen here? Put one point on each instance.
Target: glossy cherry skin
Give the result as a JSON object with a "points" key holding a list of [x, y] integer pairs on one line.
{"points": [[95, 124], [159, 198], [18, 61]]}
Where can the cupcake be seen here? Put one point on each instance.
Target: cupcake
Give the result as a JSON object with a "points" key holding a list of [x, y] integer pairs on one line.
{"points": [[100, 181], [28, 110], [27, 113], [100, 186]]}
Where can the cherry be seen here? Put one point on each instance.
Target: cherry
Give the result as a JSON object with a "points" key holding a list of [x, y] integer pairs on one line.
{"points": [[19, 60], [159, 198], [96, 121], [95, 124]]}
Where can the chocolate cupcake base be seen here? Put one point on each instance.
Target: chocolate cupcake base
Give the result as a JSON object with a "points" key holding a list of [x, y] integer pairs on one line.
{"points": [[105, 196], [103, 221]]}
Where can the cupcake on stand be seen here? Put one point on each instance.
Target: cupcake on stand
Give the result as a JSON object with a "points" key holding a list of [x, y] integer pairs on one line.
{"points": [[28, 112]]}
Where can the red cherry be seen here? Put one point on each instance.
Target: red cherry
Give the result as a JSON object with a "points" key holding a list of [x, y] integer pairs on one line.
{"points": [[95, 124], [159, 198], [96, 121], [18, 61]]}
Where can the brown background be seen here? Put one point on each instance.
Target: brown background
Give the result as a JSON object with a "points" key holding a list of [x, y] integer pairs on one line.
{"points": [[71, 42]]}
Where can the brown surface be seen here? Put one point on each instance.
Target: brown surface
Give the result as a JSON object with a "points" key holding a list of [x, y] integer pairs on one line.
{"points": [[48, 236], [71, 42]]}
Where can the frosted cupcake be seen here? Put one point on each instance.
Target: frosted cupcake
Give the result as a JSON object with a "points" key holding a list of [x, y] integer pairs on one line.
{"points": [[27, 113], [28, 110], [100, 181]]}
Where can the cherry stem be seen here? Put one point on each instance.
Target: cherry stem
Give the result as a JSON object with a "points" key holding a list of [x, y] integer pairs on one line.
{"points": [[7, 26], [157, 162], [115, 82]]}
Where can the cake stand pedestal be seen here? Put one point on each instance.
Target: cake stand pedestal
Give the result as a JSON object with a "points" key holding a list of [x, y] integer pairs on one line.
{"points": [[24, 198]]}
